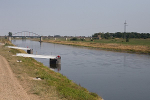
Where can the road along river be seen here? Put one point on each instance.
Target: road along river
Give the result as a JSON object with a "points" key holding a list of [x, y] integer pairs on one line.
{"points": [[112, 75]]}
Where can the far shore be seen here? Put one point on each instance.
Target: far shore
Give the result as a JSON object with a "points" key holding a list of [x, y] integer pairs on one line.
{"points": [[120, 47]]}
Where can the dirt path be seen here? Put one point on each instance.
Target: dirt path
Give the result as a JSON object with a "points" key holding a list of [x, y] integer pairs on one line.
{"points": [[10, 89]]}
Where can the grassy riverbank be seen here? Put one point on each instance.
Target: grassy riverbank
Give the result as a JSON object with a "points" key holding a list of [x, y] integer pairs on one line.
{"points": [[134, 45], [53, 86]]}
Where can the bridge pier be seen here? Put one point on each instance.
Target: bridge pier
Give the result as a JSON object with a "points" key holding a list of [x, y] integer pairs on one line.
{"points": [[41, 39], [9, 38]]}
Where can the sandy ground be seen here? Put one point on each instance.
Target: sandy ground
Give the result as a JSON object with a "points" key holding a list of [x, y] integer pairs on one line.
{"points": [[10, 89]]}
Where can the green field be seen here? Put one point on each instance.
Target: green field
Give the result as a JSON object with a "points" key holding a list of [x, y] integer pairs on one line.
{"points": [[118, 44], [145, 42]]}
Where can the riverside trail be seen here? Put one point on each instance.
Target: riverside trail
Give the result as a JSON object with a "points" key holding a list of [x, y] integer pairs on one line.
{"points": [[10, 89]]}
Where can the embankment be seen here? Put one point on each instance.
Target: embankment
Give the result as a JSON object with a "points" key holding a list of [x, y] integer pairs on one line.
{"points": [[52, 86], [107, 46]]}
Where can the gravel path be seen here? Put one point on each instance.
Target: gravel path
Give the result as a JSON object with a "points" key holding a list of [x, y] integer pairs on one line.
{"points": [[10, 89]]}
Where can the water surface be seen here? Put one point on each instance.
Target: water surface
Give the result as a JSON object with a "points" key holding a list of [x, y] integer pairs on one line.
{"points": [[112, 75]]}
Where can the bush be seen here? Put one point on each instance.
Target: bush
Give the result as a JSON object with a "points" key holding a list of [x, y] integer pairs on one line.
{"points": [[82, 39], [74, 39]]}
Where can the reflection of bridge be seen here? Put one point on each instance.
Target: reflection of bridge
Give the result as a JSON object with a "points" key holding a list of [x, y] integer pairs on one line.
{"points": [[26, 34]]}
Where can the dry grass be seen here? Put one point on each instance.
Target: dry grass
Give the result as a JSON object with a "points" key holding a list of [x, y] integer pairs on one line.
{"points": [[108, 46]]}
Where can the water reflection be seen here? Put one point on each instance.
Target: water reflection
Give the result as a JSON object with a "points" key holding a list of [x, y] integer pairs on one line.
{"points": [[55, 66], [23, 39], [40, 44]]}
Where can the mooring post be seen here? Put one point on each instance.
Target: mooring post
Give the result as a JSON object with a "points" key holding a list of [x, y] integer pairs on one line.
{"points": [[58, 59], [41, 39]]}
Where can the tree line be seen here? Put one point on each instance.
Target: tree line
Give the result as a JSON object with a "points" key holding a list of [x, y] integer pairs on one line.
{"points": [[121, 35]]}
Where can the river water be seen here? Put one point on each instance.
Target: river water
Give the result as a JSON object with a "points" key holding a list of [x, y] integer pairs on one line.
{"points": [[112, 75]]}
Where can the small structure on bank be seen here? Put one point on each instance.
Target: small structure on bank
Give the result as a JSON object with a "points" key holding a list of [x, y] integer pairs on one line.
{"points": [[52, 59], [29, 51]]}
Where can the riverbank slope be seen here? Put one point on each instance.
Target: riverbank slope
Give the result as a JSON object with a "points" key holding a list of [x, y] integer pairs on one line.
{"points": [[52, 86]]}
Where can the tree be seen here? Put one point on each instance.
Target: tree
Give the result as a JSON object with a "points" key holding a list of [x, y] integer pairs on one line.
{"points": [[74, 39], [10, 34], [127, 37], [132, 35], [95, 35], [119, 35], [107, 35]]}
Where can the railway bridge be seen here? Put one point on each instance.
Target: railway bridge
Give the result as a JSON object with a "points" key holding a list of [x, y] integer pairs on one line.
{"points": [[25, 34]]}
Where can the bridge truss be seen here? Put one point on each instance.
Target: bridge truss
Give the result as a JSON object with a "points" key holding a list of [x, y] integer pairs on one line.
{"points": [[25, 34]]}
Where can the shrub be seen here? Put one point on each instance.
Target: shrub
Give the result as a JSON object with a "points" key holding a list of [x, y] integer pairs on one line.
{"points": [[82, 39], [127, 39], [74, 39]]}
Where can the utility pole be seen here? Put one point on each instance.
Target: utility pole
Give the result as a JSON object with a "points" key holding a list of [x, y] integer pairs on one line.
{"points": [[125, 24]]}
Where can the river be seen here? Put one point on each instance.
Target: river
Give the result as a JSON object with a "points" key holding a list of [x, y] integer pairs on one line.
{"points": [[112, 75]]}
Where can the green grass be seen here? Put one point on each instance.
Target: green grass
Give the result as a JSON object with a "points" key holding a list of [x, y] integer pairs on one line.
{"points": [[64, 86], [51, 81], [141, 46], [145, 42]]}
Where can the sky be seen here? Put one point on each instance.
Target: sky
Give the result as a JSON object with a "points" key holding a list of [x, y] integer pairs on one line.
{"points": [[74, 17]]}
